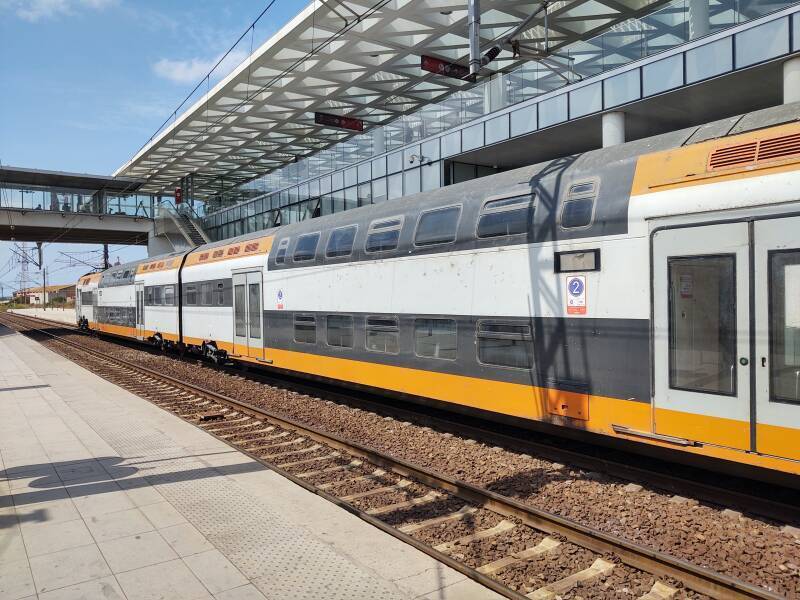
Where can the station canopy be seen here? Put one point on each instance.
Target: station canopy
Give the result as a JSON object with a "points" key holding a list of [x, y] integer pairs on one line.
{"points": [[354, 58]]}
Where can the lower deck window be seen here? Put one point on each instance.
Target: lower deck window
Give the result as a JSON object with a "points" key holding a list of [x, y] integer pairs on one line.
{"points": [[435, 338], [383, 335], [305, 329], [505, 344], [340, 331]]}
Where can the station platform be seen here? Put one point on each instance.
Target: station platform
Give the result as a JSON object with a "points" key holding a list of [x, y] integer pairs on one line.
{"points": [[62, 315], [104, 495]]}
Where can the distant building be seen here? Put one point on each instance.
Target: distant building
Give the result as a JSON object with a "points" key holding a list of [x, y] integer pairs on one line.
{"points": [[40, 295]]}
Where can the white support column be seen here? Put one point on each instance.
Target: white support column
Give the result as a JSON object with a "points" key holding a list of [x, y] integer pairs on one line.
{"points": [[791, 80], [613, 129], [699, 23]]}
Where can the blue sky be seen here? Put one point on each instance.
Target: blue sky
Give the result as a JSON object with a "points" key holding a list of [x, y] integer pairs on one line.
{"points": [[85, 83]]}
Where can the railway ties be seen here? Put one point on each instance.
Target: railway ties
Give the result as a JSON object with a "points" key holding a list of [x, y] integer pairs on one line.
{"points": [[516, 550]]}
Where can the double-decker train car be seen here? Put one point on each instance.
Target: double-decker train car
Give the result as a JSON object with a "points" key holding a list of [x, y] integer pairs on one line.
{"points": [[646, 294]]}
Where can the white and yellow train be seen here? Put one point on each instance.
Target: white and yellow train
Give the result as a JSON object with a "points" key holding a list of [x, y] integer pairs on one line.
{"points": [[648, 292]]}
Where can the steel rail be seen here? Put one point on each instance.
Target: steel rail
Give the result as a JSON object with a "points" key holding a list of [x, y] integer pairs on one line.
{"points": [[699, 579]]}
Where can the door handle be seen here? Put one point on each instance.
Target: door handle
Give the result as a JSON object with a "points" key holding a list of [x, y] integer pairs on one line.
{"points": [[763, 361]]}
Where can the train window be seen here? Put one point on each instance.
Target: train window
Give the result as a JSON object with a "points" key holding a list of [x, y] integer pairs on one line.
{"points": [[577, 209], [784, 325], [437, 226], [383, 235], [577, 213], [149, 296], [280, 256], [158, 295], [508, 216], [340, 331], [220, 294], [383, 335], [205, 290], [306, 247], [341, 242], [169, 295], [435, 338], [505, 344], [305, 329], [191, 295]]}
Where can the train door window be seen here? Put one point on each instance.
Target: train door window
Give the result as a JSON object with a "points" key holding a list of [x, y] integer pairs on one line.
{"points": [[240, 318], [383, 235], [280, 256], [158, 295], [169, 295], [305, 329], [784, 325], [437, 226], [383, 335], [306, 248], [702, 324], [435, 338], [191, 295], [254, 304], [507, 216], [220, 294], [340, 331], [577, 210], [505, 344], [341, 242]]}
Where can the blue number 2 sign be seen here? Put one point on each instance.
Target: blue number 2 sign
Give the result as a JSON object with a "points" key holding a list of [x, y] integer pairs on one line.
{"points": [[575, 286]]}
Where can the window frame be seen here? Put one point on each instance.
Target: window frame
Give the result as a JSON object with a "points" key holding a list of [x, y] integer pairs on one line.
{"points": [[313, 256], [508, 336], [460, 208], [191, 288], [313, 318], [483, 211], [414, 334], [371, 229], [352, 246], [219, 292], [352, 331], [206, 289], [283, 246], [382, 328], [571, 196], [169, 296]]}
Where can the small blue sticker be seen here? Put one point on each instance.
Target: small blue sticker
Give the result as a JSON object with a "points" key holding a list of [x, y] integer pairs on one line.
{"points": [[575, 286]]}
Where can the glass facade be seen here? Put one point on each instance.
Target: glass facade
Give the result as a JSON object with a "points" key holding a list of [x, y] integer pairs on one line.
{"points": [[407, 155]]}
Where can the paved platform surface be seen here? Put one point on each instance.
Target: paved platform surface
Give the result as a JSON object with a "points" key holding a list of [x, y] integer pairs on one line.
{"points": [[103, 495], [64, 315]]}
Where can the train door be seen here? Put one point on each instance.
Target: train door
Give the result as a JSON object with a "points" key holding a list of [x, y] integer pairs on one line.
{"points": [[139, 291], [777, 345], [701, 328], [248, 314]]}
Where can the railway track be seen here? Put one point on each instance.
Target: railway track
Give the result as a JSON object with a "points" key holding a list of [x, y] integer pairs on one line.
{"points": [[490, 538], [770, 503]]}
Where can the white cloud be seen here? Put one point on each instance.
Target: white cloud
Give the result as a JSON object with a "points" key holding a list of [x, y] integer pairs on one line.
{"points": [[37, 10], [195, 69]]}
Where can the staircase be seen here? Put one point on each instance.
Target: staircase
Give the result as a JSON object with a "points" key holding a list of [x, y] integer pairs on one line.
{"points": [[192, 230], [175, 230]]}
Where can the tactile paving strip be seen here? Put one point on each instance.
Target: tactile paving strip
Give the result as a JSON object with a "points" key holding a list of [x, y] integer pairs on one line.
{"points": [[254, 538]]}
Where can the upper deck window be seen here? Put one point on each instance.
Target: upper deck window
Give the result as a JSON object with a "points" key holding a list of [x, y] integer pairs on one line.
{"points": [[280, 257], [383, 235], [437, 226], [577, 210], [340, 243], [306, 247], [507, 216]]}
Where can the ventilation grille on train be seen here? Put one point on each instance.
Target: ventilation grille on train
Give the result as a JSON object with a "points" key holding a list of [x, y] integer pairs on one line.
{"points": [[755, 152]]}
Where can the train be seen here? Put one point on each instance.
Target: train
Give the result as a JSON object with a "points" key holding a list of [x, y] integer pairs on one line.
{"points": [[645, 295]]}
